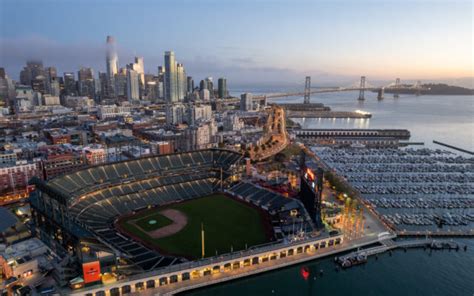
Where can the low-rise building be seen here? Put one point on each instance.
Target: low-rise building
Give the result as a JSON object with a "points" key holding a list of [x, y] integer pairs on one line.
{"points": [[113, 111], [21, 260]]}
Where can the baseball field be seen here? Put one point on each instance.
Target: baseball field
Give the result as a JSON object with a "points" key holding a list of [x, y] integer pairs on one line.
{"points": [[176, 229]]}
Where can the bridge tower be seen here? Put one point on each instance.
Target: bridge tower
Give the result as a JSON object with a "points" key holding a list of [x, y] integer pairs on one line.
{"points": [[397, 86], [307, 89], [362, 89]]}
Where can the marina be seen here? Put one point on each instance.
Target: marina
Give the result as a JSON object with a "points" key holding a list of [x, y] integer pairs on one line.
{"points": [[414, 191]]}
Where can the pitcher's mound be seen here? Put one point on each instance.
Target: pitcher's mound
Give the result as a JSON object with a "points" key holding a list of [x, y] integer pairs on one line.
{"points": [[179, 221]]}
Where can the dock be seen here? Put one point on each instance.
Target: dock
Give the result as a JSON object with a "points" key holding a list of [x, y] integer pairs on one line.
{"points": [[326, 114], [445, 233], [360, 256], [453, 147]]}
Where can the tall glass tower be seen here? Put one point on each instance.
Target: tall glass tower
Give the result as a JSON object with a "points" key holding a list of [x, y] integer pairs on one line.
{"points": [[111, 57], [111, 61], [171, 78]]}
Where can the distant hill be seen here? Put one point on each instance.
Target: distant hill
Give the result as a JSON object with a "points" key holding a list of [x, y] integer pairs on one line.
{"points": [[433, 89]]}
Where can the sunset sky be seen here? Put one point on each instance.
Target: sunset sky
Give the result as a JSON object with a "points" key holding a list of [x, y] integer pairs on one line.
{"points": [[248, 41]]}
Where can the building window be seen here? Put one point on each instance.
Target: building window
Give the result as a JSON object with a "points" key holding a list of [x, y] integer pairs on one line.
{"points": [[150, 284], [185, 276], [173, 279]]}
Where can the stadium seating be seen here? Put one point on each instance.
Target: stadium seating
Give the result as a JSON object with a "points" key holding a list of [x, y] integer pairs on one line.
{"points": [[98, 195], [275, 204]]}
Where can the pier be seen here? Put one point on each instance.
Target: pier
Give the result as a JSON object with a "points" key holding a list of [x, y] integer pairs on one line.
{"points": [[327, 114], [318, 110], [453, 147], [445, 233], [360, 256], [400, 134]]}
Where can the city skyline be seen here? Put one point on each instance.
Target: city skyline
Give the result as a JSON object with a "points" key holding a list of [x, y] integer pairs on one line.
{"points": [[333, 42]]}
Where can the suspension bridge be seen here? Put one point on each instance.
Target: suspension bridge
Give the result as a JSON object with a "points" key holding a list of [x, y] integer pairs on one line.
{"points": [[362, 86]]}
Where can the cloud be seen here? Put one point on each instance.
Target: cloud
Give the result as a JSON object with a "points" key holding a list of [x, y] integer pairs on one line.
{"points": [[65, 57]]}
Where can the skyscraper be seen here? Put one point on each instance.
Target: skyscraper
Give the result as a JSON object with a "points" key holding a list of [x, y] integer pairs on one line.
{"points": [[70, 88], [246, 102], [190, 84], [34, 73], [181, 79], [121, 84], [222, 88], [139, 67], [210, 85], [111, 61], [111, 57], [86, 83], [133, 85], [171, 78]]}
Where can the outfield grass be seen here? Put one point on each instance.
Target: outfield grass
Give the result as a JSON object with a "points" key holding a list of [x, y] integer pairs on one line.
{"points": [[227, 223]]}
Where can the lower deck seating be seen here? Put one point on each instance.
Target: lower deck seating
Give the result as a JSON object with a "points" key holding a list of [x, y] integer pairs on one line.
{"points": [[275, 203], [100, 212]]}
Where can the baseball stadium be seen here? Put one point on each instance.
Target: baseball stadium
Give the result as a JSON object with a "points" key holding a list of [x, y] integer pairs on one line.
{"points": [[151, 213]]}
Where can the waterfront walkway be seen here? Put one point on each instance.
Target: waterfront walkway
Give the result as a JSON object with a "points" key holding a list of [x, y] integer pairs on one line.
{"points": [[262, 267]]}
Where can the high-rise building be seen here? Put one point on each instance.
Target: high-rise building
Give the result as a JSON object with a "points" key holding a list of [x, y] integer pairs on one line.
{"points": [[182, 81], [222, 88], [7, 88], [111, 57], [111, 64], [198, 113], [139, 67], [51, 73], [54, 88], [51, 78], [103, 85], [31, 71], [246, 102], [204, 94], [121, 84], [170, 78], [70, 87], [210, 85], [151, 87], [86, 82], [39, 84], [203, 85], [175, 114], [190, 84], [133, 85], [161, 83]]}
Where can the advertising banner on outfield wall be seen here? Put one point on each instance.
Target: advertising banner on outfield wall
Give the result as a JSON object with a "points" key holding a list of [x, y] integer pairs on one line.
{"points": [[91, 271]]}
